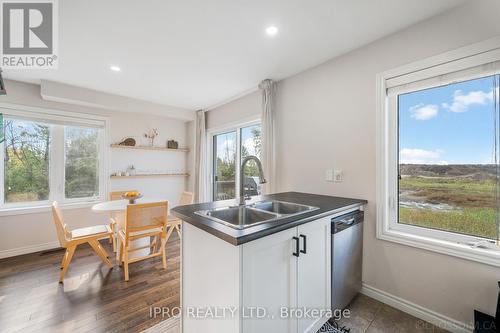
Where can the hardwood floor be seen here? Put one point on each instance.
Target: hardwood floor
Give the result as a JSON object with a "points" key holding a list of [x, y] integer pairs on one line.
{"points": [[93, 297]]}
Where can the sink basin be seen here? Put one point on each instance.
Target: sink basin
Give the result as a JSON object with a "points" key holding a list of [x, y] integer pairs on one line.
{"points": [[241, 217], [238, 217], [282, 208]]}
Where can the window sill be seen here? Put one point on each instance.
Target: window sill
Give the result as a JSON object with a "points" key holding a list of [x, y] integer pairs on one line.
{"points": [[45, 208], [455, 249]]}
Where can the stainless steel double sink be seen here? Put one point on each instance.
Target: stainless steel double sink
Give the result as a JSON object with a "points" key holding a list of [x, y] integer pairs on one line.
{"points": [[240, 217]]}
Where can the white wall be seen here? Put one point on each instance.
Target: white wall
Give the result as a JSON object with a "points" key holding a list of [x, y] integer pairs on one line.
{"points": [[326, 118], [246, 107], [32, 232]]}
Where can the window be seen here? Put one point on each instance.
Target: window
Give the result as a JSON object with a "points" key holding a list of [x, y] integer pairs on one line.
{"points": [[49, 157], [224, 177], [81, 167], [26, 161], [229, 149], [448, 170], [438, 156]]}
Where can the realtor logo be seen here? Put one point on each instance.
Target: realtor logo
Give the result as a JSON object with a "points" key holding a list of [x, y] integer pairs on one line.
{"points": [[29, 31]]}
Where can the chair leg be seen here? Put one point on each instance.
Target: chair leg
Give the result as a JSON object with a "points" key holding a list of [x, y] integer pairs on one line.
{"points": [[100, 252], [120, 255], [153, 244], [163, 254], [65, 257], [169, 233], [179, 233], [104, 254], [125, 262], [112, 238], [68, 256]]}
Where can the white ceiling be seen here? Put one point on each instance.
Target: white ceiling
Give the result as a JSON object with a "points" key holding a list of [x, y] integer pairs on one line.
{"points": [[196, 53]]}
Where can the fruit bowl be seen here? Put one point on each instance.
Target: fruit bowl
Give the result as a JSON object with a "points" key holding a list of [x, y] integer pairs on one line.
{"points": [[131, 196]]}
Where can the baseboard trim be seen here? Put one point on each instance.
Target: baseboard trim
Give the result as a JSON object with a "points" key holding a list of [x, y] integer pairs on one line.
{"points": [[28, 249], [416, 310]]}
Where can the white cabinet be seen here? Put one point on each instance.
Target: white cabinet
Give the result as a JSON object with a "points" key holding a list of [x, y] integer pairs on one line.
{"points": [[269, 278], [263, 274], [314, 273], [285, 272]]}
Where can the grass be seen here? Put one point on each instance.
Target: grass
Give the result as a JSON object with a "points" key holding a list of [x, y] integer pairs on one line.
{"points": [[475, 203], [461, 192], [471, 221]]}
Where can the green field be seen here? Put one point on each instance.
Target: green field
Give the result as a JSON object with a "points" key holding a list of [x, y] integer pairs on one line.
{"points": [[472, 205]]}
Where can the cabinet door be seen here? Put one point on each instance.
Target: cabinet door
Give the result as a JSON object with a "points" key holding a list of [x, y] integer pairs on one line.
{"points": [[314, 272], [269, 280]]}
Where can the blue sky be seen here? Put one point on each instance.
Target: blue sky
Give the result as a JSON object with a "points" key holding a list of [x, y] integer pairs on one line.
{"points": [[451, 124]]}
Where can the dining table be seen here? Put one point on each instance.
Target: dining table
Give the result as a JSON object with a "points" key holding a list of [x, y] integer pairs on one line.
{"points": [[117, 209], [121, 205]]}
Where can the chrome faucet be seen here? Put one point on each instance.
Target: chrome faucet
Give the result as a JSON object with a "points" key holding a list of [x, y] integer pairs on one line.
{"points": [[262, 180]]}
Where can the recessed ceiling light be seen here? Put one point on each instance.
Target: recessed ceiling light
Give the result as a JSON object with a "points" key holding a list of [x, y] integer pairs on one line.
{"points": [[115, 68], [271, 30]]}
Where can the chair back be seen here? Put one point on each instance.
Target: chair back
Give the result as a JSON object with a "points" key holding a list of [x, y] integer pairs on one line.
{"points": [[142, 217], [187, 198], [63, 235], [117, 195]]}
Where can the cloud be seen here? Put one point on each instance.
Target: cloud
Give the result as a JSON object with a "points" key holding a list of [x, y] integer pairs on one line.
{"points": [[421, 156], [462, 102], [249, 144], [424, 112], [226, 149]]}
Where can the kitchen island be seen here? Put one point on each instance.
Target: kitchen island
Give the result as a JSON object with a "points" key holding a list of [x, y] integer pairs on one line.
{"points": [[273, 276]]}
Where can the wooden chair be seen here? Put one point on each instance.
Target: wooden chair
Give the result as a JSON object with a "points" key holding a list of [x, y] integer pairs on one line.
{"points": [[71, 239], [116, 195], [174, 223], [144, 220]]}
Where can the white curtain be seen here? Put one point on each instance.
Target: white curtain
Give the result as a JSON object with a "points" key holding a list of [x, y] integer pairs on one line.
{"points": [[200, 162], [268, 88]]}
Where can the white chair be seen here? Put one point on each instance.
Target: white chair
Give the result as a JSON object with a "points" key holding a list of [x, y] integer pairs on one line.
{"points": [[71, 239], [174, 223], [144, 220], [113, 219]]}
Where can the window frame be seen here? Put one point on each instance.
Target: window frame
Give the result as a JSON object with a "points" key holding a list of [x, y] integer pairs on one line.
{"points": [[57, 120], [387, 226], [231, 127]]}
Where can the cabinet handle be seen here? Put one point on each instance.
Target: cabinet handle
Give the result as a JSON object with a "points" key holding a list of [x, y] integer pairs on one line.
{"points": [[296, 253], [305, 244]]}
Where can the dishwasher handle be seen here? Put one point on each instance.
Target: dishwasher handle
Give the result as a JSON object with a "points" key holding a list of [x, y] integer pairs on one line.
{"points": [[347, 221]]}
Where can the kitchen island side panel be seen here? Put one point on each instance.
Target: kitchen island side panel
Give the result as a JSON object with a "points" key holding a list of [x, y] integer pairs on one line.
{"points": [[210, 282]]}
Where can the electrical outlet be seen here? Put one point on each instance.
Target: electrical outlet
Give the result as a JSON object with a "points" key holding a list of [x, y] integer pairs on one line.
{"points": [[338, 175], [329, 175]]}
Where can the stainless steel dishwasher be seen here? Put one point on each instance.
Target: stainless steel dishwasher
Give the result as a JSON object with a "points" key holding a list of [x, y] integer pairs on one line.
{"points": [[347, 257]]}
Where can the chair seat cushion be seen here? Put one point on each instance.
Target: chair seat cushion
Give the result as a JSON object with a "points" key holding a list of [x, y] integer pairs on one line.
{"points": [[89, 231]]}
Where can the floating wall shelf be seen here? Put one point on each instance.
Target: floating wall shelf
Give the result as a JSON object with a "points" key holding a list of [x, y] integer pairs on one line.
{"points": [[181, 150], [153, 175]]}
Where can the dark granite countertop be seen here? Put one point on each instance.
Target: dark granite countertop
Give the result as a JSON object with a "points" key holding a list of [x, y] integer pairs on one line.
{"points": [[327, 205]]}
